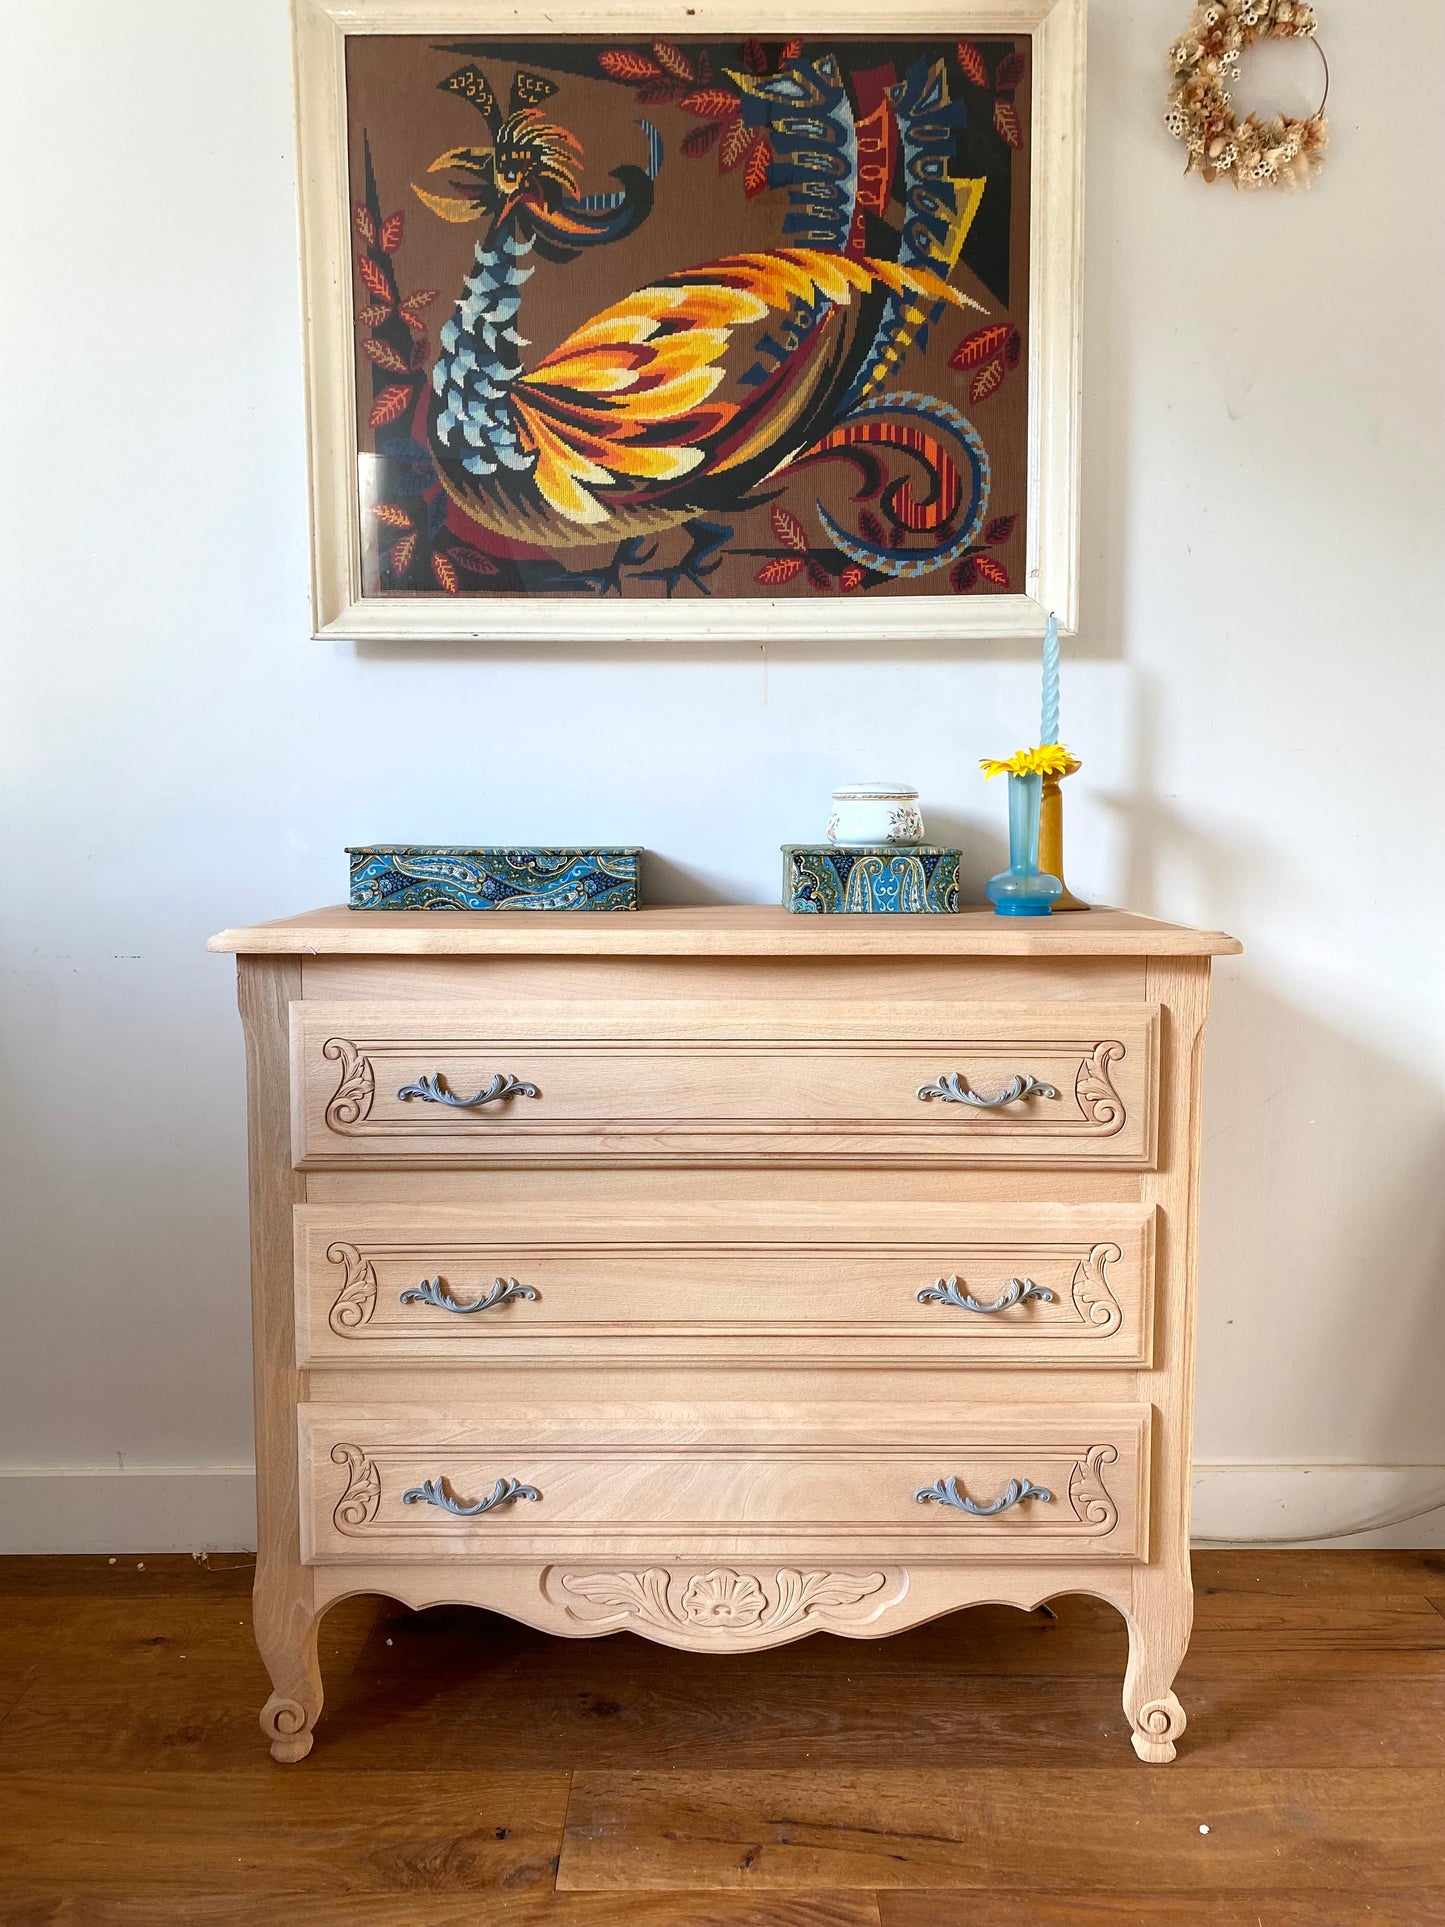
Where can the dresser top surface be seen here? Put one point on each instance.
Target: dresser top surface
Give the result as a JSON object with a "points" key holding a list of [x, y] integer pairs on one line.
{"points": [[717, 930]]}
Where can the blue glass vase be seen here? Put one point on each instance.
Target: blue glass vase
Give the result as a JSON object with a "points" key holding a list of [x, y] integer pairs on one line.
{"points": [[1023, 889]]}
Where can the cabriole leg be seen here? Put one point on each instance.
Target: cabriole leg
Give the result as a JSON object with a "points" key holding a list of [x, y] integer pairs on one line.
{"points": [[1159, 1628], [286, 1640]]}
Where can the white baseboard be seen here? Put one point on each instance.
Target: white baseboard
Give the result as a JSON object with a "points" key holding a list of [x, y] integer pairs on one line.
{"points": [[1308, 1504], [211, 1508], [148, 1508]]}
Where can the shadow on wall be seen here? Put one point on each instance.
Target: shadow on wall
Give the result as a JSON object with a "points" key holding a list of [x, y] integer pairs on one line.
{"points": [[983, 840], [1322, 1242]]}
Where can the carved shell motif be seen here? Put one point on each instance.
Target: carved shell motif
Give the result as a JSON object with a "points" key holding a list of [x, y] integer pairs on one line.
{"points": [[1093, 1300], [351, 1101], [356, 1508], [697, 1608], [356, 1299]]}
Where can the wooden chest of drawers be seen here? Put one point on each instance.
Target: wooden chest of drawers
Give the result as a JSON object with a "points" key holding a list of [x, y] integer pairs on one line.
{"points": [[723, 1276]]}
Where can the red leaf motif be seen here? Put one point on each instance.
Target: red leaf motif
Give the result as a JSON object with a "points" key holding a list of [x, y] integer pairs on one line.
{"points": [[373, 316], [964, 575], [374, 277], [975, 349], [818, 575], [735, 142], [781, 569], [1000, 529], [422, 298], [1010, 71], [789, 530], [987, 380], [365, 226], [673, 59], [390, 405], [760, 159], [755, 57], [628, 66], [475, 562], [657, 93], [393, 517], [871, 529], [991, 570], [697, 143], [791, 50], [402, 554], [710, 103], [1013, 348], [385, 356], [420, 348], [445, 574], [1006, 120], [850, 579], [392, 230], [971, 59]]}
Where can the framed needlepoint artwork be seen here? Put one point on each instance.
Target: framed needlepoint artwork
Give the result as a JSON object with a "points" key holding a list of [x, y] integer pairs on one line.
{"points": [[691, 320]]}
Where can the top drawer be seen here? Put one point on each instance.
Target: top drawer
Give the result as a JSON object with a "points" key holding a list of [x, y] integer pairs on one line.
{"points": [[676, 1083]]}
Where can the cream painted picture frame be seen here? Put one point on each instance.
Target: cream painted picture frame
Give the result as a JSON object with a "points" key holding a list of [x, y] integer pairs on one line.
{"points": [[347, 606]]}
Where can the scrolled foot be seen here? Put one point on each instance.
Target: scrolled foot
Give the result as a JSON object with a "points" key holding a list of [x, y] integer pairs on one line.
{"points": [[287, 1725], [1156, 1727]]}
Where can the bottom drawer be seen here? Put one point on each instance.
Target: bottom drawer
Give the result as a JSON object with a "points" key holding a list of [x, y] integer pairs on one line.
{"points": [[421, 1484]]}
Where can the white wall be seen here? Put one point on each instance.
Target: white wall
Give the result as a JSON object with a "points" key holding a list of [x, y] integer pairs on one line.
{"points": [[1255, 693]]}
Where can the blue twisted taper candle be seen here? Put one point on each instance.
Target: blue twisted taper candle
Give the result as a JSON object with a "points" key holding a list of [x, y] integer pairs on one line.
{"points": [[1049, 727]]}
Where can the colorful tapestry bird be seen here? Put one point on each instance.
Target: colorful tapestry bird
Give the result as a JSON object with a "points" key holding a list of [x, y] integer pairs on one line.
{"points": [[710, 389]]}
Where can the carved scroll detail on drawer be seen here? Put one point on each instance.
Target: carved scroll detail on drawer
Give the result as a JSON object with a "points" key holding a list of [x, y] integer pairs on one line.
{"points": [[594, 1483], [1092, 1508], [1028, 1284], [442, 1085]]}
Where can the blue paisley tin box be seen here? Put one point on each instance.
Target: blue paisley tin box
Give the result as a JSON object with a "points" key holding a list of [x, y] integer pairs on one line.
{"points": [[443, 876], [880, 878]]}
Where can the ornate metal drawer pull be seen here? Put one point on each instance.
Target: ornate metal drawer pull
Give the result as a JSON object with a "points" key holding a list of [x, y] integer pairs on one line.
{"points": [[433, 1090], [435, 1291], [438, 1492], [953, 1090], [946, 1492], [1016, 1292]]}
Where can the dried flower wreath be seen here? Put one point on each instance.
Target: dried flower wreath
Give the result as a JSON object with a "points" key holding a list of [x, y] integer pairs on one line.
{"points": [[1280, 152]]}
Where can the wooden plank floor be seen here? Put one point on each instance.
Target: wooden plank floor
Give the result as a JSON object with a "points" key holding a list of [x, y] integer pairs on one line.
{"points": [[972, 1773]]}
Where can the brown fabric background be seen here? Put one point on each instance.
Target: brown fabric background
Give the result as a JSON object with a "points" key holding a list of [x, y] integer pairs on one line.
{"points": [[394, 106]]}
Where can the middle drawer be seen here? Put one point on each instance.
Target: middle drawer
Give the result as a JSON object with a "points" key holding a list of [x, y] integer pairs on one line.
{"points": [[1034, 1284]]}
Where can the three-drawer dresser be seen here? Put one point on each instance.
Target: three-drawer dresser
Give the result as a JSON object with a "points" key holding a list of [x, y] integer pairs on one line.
{"points": [[721, 1275]]}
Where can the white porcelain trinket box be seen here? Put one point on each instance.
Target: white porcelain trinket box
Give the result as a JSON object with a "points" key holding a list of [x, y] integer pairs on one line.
{"points": [[875, 813]]}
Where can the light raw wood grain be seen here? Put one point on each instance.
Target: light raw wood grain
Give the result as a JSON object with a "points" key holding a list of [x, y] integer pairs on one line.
{"points": [[286, 1619], [562, 979], [1162, 1608], [831, 1486], [632, 1288], [321, 28], [717, 930], [725, 1082], [726, 1422]]}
